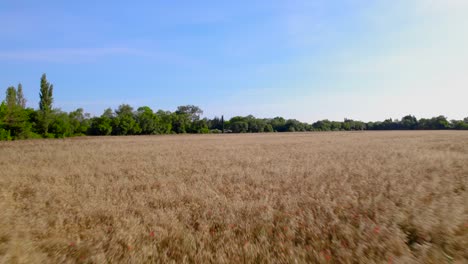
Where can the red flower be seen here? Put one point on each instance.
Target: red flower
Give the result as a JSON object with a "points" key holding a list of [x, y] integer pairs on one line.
{"points": [[326, 254], [152, 234], [376, 230]]}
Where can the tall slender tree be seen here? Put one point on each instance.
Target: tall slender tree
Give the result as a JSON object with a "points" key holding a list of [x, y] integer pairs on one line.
{"points": [[10, 98], [45, 103], [20, 100], [222, 124], [14, 118]]}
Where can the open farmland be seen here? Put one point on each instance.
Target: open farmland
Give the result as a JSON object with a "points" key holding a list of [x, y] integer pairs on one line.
{"points": [[344, 197]]}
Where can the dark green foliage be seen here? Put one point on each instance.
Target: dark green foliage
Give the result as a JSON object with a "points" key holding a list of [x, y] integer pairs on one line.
{"points": [[186, 119], [409, 122], [102, 126], [164, 119], [124, 122], [147, 120], [336, 126], [250, 124], [323, 125], [239, 126], [3, 112], [79, 122], [60, 125], [216, 123], [440, 122], [15, 118], [222, 124], [358, 125], [180, 122], [278, 124], [437, 123], [4, 133], [199, 127], [350, 124], [293, 125], [459, 125], [256, 125]]}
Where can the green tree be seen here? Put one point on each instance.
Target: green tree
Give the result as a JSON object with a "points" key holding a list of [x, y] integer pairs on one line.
{"points": [[409, 122], [60, 126], [440, 122], [336, 126], [255, 125], [108, 113], [424, 123], [79, 122], [10, 98], [193, 112], [10, 118], [20, 100], [147, 120], [16, 118], [164, 120], [124, 122], [358, 125], [239, 126], [200, 126], [102, 125], [268, 128], [278, 124], [185, 117], [458, 124], [180, 122], [348, 124], [3, 112], [222, 124], [4, 132], [293, 125], [45, 104], [323, 125], [216, 123]]}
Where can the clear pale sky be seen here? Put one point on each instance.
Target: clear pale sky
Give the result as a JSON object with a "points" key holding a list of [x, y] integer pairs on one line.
{"points": [[309, 60]]}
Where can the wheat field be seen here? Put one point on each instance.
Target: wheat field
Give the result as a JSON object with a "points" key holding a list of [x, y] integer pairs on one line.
{"points": [[344, 197]]}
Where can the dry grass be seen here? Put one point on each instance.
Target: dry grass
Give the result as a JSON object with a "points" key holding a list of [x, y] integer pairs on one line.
{"points": [[371, 197]]}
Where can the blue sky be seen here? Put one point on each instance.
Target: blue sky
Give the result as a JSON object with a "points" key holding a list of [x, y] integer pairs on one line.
{"points": [[309, 60]]}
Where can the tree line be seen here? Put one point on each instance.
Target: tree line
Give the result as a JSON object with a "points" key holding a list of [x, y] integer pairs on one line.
{"points": [[20, 122]]}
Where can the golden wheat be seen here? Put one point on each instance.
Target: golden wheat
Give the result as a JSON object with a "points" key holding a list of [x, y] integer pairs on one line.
{"points": [[370, 197]]}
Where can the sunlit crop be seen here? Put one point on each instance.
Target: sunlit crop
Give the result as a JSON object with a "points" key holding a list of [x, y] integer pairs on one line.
{"points": [[344, 197]]}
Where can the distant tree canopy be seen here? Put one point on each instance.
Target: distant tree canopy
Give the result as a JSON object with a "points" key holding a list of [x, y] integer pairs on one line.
{"points": [[19, 122]]}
